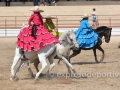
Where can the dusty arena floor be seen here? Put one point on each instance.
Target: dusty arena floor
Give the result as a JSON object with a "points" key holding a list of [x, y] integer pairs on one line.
{"points": [[102, 76]]}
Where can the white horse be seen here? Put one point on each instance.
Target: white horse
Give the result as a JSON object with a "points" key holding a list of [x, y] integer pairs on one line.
{"points": [[49, 51]]}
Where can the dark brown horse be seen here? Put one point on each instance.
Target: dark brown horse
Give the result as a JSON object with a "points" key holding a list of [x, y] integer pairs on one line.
{"points": [[102, 31]]}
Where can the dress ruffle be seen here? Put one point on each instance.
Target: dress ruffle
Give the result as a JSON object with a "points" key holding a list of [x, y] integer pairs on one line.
{"points": [[26, 42], [86, 38]]}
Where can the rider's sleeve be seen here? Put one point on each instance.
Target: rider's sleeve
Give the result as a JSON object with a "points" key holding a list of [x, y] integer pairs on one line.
{"points": [[53, 25], [31, 18], [45, 25]]}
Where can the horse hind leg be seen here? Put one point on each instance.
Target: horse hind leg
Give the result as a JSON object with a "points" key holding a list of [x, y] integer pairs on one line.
{"points": [[51, 61], [15, 61], [29, 69], [42, 59]]}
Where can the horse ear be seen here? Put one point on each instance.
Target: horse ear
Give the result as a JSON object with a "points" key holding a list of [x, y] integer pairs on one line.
{"points": [[68, 32], [72, 30]]}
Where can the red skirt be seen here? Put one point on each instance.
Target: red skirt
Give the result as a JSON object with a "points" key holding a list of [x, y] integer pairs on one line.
{"points": [[26, 42]]}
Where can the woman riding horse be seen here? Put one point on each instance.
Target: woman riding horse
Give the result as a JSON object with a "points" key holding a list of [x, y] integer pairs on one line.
{"points": [[35, 36], [50, 26], [85, 35], [88, 38]]}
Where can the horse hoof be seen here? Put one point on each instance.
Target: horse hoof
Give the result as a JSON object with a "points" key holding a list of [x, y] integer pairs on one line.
{"points": [[36, 79], [96, 61], [31, 75], [74, 71], [77, 75], [14, 78], [58, 62], [11, 79]]}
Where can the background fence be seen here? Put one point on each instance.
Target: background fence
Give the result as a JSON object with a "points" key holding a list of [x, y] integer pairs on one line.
{"points": [[61, 21]]}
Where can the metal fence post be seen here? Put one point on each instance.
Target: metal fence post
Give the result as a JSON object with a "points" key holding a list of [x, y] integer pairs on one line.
{"points": [[97, 21], [5, 27], [56, 23], [109, 21], [15, 21]]}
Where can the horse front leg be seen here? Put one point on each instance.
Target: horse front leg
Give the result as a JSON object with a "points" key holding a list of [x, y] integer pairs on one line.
{"points": [[17, 70], [75, 52], [67, 56], [17, 56], [59, 61], [103, 53], [67, 64], [36, 64], [52, 64], [94, 51]]}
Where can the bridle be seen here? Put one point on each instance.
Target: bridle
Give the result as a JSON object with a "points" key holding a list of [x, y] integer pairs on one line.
{"points": [[107, 38], [67, 42]]}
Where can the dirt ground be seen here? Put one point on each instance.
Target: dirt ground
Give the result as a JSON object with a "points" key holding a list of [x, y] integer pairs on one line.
{"points": [[102, 76]]}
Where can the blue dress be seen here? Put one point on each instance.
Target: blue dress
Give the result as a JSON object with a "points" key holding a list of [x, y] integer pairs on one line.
{"points": [[85, 36]]}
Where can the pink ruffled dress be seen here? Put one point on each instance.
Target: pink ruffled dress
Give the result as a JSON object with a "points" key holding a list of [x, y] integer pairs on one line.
{"points": [[26, 42]]}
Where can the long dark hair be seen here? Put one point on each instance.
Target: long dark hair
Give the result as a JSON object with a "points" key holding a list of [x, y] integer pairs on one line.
{"points": [[34, 28]]}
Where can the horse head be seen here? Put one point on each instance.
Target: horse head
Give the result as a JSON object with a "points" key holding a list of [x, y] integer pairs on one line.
{"points": [[108, 35], [104, 31], [69, 38]]}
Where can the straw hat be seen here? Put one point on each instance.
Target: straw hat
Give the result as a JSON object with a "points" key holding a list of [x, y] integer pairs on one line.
{"points": [[36, 9], [48, 16], [85, 15]]}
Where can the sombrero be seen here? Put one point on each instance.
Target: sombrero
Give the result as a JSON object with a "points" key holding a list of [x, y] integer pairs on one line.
{"points": [[49, 16], [85, 15], [36, 9]]}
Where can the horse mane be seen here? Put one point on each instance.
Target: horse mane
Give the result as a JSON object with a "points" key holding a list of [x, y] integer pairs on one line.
{"points": [[100, 28], [63, 36]]}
